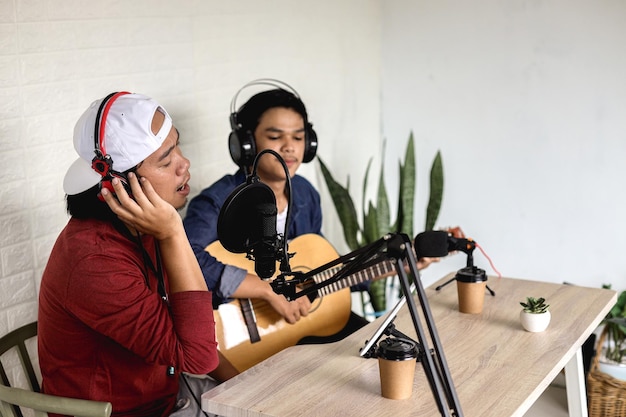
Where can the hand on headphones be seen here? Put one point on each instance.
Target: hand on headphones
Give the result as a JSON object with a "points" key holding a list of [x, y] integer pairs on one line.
{"points": [[147, 212]]}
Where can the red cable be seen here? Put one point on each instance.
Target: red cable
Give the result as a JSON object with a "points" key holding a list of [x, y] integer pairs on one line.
{"points": [[489, 259]]}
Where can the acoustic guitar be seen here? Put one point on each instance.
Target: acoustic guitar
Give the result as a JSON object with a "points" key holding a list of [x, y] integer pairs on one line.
{"points": [[250, 330]]}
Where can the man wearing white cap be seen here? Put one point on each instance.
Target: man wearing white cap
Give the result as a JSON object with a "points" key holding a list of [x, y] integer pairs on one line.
{"points": [[123, 306]]}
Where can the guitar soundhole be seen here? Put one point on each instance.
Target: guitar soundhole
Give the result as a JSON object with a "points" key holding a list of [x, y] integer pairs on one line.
{"points": [[316, 304]]}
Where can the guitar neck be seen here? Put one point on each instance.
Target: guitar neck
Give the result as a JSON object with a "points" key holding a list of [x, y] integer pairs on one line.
{"points": [[368, 274]]}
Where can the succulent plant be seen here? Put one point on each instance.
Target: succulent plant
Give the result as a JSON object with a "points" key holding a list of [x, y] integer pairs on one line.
{"points": [[535, 305]]}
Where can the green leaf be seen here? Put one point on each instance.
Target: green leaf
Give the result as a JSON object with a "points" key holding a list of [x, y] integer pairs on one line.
{"points": [[383, 217], [364, 190], [370, 226], [406, 197], [344, 206], [535, 305], [436, 192]]}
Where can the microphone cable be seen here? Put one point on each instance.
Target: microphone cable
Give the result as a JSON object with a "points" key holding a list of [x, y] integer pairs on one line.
{"points": [[489, 260]]}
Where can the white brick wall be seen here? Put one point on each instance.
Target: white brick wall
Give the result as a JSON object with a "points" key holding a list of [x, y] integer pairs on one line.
{"points": [[191, 55]]}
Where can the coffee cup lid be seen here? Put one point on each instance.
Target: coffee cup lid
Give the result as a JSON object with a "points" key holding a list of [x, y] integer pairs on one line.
{"points": [[471, 274], [397, 349]]}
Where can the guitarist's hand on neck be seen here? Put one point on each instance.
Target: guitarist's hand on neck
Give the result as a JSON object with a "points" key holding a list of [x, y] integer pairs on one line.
{"points": [[423, 263]]}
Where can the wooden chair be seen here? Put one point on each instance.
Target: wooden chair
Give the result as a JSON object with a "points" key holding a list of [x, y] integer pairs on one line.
{"points": [[12, 398]]}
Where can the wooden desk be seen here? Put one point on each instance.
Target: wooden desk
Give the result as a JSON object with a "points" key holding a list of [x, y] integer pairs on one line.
{"points": [[498, 369]]}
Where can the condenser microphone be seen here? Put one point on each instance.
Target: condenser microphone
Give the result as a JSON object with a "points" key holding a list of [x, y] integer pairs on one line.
{"points": [[431, 244], [438, 243], [247, 222], [460, 244], [264, 246]]}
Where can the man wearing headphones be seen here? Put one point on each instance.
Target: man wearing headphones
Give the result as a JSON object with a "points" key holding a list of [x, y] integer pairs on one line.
{"points": [[275, 119], [123, 307]]}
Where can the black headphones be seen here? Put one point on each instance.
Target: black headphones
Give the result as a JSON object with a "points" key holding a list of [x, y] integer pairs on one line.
{"points": [[241, 143], [102, 163]]}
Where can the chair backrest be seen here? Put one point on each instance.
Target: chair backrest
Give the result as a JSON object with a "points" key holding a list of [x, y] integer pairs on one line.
{"points": [[12, 398], [42, 404], [17, 340]]}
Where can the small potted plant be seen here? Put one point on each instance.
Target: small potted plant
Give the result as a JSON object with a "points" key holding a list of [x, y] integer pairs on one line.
{"points": [[535, 315], [613, 352]]}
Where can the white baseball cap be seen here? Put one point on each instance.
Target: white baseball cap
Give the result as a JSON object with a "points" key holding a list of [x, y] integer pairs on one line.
{"points": [[128, 138]]}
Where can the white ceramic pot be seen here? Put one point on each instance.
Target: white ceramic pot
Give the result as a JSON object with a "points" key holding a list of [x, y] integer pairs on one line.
{"points": [[616, 370], [535, 322]]}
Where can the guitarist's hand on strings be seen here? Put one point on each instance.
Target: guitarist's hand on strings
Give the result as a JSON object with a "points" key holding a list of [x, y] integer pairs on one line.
{"points": [[254, 287], [291, 311]]}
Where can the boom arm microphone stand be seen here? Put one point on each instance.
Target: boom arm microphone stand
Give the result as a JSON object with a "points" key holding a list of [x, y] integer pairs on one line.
{"points": [[398, 248], [438, 374]]}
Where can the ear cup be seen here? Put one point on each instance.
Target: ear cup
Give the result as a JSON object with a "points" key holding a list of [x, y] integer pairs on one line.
{"points": [[106, 183], [102, 164], [310, 143], [125, 183], [241, 144]]}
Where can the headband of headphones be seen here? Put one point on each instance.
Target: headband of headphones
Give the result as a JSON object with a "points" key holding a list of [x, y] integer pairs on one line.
{"points": [[102, 163], [241, 142], [262, 81]]}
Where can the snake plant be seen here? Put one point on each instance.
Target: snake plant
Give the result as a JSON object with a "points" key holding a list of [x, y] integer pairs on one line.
{"points": [[376, 218], [615, 322]]}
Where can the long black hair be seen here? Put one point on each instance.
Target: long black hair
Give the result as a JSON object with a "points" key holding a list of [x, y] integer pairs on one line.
{"points": [[87, 205]]}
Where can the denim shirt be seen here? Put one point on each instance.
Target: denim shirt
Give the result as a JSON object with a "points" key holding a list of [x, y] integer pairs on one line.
{"points": [[201, 226]]}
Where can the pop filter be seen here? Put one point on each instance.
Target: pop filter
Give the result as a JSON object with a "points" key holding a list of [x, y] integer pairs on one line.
{"points": [[239, 218]]}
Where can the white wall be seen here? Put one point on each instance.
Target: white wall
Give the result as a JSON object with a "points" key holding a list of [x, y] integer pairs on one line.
{"points": [[527, 102], [192, 56], [524, 98]]}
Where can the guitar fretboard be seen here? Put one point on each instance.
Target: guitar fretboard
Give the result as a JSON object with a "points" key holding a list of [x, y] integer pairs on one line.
{"points": [[371, 273]]}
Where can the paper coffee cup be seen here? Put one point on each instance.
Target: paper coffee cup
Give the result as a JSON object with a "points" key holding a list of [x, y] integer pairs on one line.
{"points": [[470, 285], [397, 358]]}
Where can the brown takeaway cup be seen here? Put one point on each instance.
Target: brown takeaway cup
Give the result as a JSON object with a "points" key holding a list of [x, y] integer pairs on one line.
{"points": [[397, 358], [470, 285]]}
